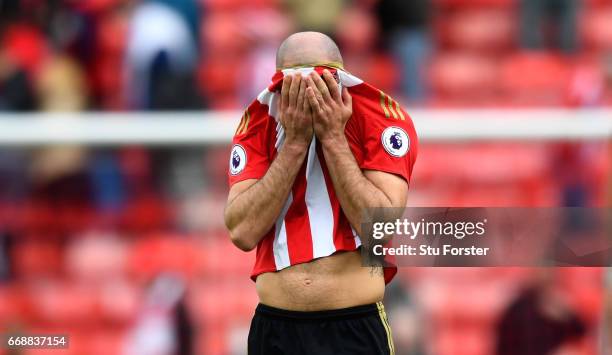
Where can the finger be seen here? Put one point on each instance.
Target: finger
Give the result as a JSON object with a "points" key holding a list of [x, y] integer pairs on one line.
{"points": [[312, 99], [347, 99], [305, 103], [294, 89], [285, 91], [332, 85], [320, 84], [301, 95], [315, 91]]}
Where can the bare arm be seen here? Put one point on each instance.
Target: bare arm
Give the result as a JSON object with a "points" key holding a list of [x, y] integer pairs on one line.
{"points": [[356, 190], [254, 205]]}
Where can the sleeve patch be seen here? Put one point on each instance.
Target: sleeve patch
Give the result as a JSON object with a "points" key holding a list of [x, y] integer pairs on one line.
{"points": [[238, 159], [395, 141]]}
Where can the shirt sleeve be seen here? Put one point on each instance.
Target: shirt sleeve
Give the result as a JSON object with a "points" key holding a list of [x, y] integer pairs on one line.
{"points": [[387, 136], [249, 157]]}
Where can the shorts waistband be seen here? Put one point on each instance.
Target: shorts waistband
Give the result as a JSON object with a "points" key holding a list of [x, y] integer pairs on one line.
{"points": [[333, 314]]}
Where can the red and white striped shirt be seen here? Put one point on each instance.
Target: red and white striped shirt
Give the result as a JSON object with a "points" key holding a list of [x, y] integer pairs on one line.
{"points": [[312, 225]]}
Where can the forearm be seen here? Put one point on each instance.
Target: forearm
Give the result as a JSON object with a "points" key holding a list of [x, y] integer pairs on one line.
{"points": [[354, 191], [253, 212]]}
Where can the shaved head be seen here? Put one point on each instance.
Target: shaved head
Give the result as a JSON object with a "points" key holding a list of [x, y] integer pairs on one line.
{"points": [[307, 48]]}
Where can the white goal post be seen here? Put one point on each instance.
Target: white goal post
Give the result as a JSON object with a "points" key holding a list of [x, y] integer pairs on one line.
{"points": [[217, 127]]}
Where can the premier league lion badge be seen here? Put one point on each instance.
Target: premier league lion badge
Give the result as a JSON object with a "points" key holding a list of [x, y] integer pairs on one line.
{"points": [[395, 141], [238, 159]]}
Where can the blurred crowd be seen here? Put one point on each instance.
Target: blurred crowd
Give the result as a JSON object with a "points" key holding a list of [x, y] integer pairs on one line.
{"points": [[74, 55], [128, 243]]}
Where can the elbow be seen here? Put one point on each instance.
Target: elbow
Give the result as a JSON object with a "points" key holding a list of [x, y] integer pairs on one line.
{"points": [[240, 235], [241, 241], [241, 232]]}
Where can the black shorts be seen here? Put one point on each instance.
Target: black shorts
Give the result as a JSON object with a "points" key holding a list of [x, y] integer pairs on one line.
{"points": [[351, 331]]}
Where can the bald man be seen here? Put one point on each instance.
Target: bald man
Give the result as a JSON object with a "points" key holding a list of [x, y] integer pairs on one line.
{"points": [[307, 159]]}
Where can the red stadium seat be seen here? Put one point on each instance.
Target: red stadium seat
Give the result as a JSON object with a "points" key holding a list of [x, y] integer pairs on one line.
{"points": [[474, 3], [119, 301], [62, 303], [485, 30], [497, 163], [381, 69], [34, 217], [224, 5], [12, 310], [463, 341], [146, 214], [535, 78], [218, 78], [220, 5], [96, 257], [97, 6], [223, 34], [596, 28], [230, 299], [218, 257], [26, 46], [37, 257], [509, 174], [157, 254], [106, 341], [584, 287], [464, 76]]}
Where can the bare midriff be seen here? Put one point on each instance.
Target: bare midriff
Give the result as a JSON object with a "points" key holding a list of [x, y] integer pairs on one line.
{"points": [[334, 282]]}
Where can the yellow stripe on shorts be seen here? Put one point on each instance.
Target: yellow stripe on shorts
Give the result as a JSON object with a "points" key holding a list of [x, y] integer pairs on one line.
{"points": [[385, 322]]}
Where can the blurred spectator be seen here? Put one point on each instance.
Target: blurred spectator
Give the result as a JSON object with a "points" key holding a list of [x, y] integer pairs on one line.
{"points": [[316, 15], [62, 85], [5, 261], [59, 173], [16, 93], [573, 169], [26, 46], [357, 32], [189, 11], [14, 182], [538, 322], [538, 17], [22, 50], [108, 181], [161, 59], [164, 326], [404, 319], [405, 29], [264, 29]]}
